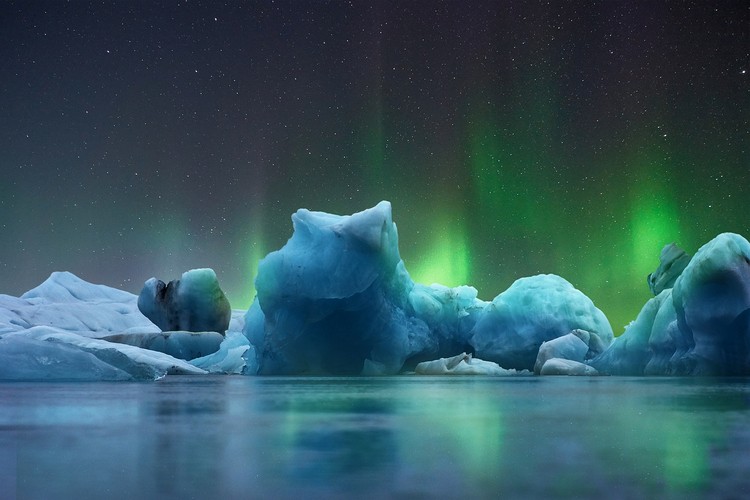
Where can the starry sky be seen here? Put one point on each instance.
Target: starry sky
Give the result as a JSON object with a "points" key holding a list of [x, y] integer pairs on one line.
{"points": [[145, 138]]}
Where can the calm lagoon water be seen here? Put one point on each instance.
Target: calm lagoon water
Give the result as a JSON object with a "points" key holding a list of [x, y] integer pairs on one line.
{"points": [[396, 437]]}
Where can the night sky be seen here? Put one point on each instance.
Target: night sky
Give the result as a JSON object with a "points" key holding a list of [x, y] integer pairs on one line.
{"points": [[143, 139]]}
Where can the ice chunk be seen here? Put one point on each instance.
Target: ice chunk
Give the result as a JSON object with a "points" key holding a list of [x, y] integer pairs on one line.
{"points": [[568, 346], [181, 345], [463, 364], [559, 366], [534, 310], [26, 358], [235, 356], [193, 303], [137, 363], [672, 261]]}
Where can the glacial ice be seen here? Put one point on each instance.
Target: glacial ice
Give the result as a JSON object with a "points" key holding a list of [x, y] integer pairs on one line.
{"points": [[132, 362], [464, 364], [701, 326], [561, 366], [337, 299], [194, 303], [534, 310], [24, 357], [56, 330], [569, 347], [236, 356]]}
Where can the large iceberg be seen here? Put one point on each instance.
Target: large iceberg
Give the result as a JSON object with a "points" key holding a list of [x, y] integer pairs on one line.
{"points": [[334, 298], [701, 326], [337, 299]]}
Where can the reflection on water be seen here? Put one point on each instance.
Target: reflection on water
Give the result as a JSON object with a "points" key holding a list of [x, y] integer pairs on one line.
{"points": [[407, 437]]}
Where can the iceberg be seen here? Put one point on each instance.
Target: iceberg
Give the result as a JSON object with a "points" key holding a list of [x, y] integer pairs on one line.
{"points": [[561, 366], [29, 356], [700, 326], [26, 358], [333, 298], [194, 303], [337, 299], [532, 311], [69, 329]]}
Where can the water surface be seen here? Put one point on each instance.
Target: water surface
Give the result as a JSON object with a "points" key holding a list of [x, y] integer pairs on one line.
{"points": [[396, 437]]}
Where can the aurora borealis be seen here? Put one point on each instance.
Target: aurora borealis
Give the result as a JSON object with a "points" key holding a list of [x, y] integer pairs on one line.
{"points": [[142, 139]]}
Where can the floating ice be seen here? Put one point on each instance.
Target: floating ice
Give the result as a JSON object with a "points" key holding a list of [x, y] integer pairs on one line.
{"points": [[701, 326], [24, 357], [569, 347], [560, 366], [192, 303], [235, 356], [124, 361], [464, 364], [534, 310], [337, 299]]}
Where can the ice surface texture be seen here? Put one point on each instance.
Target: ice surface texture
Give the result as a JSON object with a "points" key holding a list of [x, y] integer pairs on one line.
{"points": [[56, 330], [534, 310], [69, 303], [701, 326], [337, 299], [193, 303]]}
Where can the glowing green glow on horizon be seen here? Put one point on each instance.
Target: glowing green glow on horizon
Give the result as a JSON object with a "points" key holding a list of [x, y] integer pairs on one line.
{"points": [[257, 253], [654, 220], [447, 260]]}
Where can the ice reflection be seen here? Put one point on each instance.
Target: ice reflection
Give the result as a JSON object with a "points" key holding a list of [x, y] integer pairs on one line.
{"points": [[240, 437]]}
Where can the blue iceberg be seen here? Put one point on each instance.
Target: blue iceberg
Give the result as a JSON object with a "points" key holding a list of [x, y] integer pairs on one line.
{"points": [[337, 299], [700, 326]]}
